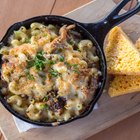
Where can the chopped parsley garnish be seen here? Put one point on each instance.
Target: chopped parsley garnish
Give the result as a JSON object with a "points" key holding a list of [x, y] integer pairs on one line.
{"points": [[44, 106], [39, 62], [50, 62], [61, 59], [30, 63], [67, 64], [75, 68], [28, 75], [74, 65], [78, 50], [40, 56], [54, 73], [45, 35]]}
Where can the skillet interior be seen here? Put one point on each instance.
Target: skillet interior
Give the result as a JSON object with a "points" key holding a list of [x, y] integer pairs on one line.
{"points": [[58, 20]]}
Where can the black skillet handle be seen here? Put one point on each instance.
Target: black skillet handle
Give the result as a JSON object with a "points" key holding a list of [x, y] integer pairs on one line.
{"points": [[100, 29]]}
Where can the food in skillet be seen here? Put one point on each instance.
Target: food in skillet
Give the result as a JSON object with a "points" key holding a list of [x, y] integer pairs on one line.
{"points": [[49, 73]]}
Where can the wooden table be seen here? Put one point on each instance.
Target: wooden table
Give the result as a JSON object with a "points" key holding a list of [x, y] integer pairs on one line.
{"points": [[128, 129]]}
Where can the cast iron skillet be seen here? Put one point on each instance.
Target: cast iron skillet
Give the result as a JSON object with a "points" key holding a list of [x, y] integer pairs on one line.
{"points": [[93, 31]]}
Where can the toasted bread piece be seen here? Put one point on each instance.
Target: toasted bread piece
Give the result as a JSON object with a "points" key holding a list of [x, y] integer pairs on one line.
{"points": [[137, 45], [121, 55], [123, 84]]}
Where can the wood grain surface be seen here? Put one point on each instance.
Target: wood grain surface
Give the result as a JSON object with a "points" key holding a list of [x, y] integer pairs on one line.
{"points": [[10, 10], [125, 130]]}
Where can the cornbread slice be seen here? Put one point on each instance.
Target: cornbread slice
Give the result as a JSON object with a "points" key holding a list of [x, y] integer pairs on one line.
{"points": [[123, 84], [121, 55], [137, 45]]}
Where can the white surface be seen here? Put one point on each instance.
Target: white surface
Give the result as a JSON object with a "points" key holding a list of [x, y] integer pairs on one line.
{"points": [[24, 126]]}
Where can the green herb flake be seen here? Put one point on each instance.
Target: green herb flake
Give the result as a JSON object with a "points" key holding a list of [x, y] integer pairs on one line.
{"points": [[44, 106], [27, 40], [45, 98], [40, 56], [74, 65], [76, 71], [54, 73], [39, 62], [50, 62], [28, 75], [79, 106], [30, 63], [26, 71], [78, 50], [31, 77], [45, 35], [67, 64], [75, 68], [61, 59]]}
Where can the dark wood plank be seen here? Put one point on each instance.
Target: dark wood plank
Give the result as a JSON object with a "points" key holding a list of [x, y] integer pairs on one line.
{"points": [[127, 129]]}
